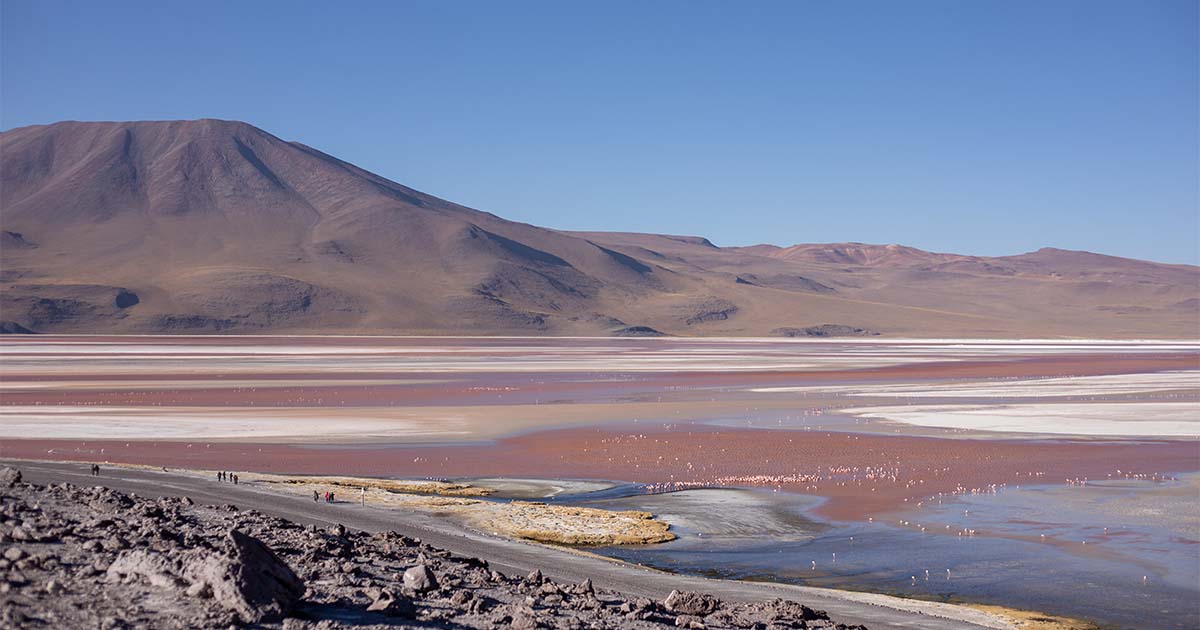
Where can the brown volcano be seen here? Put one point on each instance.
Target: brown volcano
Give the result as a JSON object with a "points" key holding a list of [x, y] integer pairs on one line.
{"points": [[217, 226]]}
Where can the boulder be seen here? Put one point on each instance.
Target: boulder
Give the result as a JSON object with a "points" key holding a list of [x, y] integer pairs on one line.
{"points": [[788, 609], [251, 580], [9, 477], [420, 579], [523, 618], [691, 603]]}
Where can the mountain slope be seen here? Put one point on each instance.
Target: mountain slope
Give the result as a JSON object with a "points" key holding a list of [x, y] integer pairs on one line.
{"points": [[217, 226]]}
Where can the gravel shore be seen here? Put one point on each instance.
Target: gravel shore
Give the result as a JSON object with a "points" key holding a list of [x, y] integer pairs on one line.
{"points": [[93, 557]]}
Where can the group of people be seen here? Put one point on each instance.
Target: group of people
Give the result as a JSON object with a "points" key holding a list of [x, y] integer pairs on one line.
{"points": [[95, 470], [317, 498], [224, 476]]}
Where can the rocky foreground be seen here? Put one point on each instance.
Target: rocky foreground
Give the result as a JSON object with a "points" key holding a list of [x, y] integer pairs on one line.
{"points": [[75, 557]]}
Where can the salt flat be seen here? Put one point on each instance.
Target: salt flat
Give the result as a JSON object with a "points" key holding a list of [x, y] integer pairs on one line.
{"points": [[428, 389], [1074, 386], [1136, 419]]}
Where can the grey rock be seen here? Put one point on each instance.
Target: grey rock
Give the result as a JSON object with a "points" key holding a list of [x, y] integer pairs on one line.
{"points": [[156, 568], [9, 477], [691, 603], [480, 605], [524, 619], [460, 598], [790, 610], [420, 579], [251, 581], [394, 605]]}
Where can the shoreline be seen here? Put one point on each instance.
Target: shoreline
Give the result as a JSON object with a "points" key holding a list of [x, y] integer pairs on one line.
{"points": [[996, 617]]}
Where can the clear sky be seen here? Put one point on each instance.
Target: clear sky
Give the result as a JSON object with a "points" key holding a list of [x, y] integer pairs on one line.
{"points": [[982, 127]]}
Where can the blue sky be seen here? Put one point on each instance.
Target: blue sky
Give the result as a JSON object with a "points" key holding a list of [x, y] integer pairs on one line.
{"points": [[976, 127]]}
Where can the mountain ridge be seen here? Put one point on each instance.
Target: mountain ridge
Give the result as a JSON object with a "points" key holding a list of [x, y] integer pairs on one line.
{"points": [[219, 226]]}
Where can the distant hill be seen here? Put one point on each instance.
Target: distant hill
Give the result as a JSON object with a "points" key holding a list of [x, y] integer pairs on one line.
{"points": [[217, 226]]}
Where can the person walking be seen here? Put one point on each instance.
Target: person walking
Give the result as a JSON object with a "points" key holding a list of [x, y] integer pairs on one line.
{"points": [[235, 479], [314, 496]]}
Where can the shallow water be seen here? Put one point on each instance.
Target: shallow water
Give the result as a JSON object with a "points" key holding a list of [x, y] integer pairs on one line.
{"points": [[1079, 569]]}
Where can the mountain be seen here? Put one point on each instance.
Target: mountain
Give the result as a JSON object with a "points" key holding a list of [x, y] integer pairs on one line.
{"points": [[217, 226], [859, 254]]}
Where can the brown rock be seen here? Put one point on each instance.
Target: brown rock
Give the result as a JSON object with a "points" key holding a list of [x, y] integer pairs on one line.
{"points": [[251, 580], [156, 568], [691, 603], [393, 605]]}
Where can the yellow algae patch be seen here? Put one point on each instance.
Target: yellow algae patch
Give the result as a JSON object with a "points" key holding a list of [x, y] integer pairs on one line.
{"points": [[575, 525], [1031, 620], [441, 488], [529, 520]]}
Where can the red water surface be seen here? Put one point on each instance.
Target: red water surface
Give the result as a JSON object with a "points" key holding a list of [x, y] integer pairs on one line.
{"points": [[864, 476]]}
